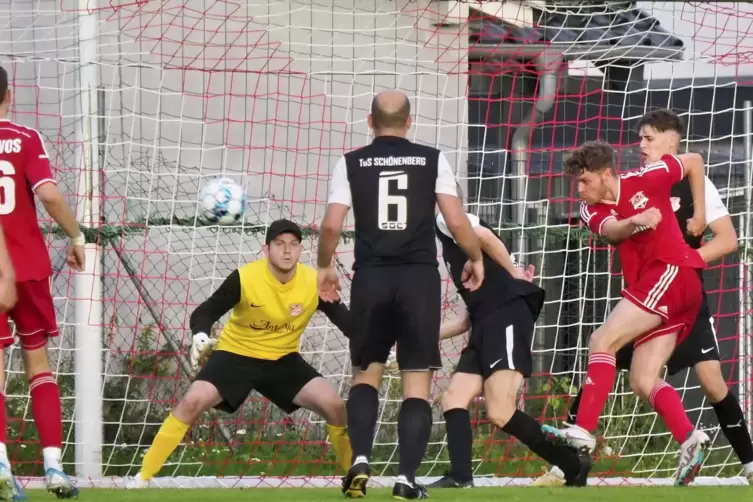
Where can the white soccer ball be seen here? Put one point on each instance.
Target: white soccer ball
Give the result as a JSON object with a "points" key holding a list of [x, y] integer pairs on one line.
{"points": [[222, 201]]}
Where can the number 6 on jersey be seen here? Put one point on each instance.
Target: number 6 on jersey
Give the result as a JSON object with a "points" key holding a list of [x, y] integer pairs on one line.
{"points": [[7, 187], [397, 204]]}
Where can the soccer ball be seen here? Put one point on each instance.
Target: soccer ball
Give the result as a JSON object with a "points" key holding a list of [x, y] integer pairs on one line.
{"points": [[222, 201]]}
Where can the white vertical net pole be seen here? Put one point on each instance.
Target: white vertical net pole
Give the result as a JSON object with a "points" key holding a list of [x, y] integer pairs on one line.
{"points": [[744, 333], [88, 284]]}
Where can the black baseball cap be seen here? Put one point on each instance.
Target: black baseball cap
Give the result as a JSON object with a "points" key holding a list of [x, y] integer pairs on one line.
{"points": [[279, 227]]}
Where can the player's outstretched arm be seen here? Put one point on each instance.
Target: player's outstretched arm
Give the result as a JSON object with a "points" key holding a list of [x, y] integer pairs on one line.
{"points": [[692, 165], [455, 327], [495, 248], [7, 277], [338, 314], [724, 241], [616, 231], [209, 312]]}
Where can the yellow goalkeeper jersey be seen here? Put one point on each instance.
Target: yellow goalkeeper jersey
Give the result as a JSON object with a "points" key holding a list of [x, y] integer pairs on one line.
{"points": [[270, 317]]}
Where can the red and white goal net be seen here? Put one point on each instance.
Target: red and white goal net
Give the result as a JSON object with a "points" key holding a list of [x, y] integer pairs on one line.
{"points": [[140, 102]]}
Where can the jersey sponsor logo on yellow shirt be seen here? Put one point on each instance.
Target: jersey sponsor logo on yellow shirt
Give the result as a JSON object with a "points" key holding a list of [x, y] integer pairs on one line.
{"points": [[271, 317]]}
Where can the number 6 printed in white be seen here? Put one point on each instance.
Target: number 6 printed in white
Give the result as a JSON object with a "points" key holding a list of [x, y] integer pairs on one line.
{"points": [[7, 187], [398, 201]]}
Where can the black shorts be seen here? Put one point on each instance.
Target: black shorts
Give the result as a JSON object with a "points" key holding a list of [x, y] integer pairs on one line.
{"points": [[396, 304], [501, 340], [235, 376], [699, 346]]}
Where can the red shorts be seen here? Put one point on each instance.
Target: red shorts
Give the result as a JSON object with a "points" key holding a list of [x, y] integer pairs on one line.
{"points": [[33, 315], [673, 292]]}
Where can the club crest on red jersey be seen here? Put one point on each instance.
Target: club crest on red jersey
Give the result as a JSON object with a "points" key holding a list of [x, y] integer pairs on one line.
{"points": [[639, 200], [675, 203], [296, 309]]}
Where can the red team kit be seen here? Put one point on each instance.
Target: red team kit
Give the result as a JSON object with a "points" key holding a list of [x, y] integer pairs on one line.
{"points": [[24, 166], [660, 269]]}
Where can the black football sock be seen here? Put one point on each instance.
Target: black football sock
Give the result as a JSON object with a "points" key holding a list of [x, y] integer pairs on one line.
{"points": [[413, 431], [732, 422], [363, 408], [528, 431], [572, 413], [459, 443]]}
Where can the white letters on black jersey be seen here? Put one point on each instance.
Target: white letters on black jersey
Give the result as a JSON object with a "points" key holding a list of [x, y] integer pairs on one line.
{"points": [[392, 186], [393, 209], [392, 161]]}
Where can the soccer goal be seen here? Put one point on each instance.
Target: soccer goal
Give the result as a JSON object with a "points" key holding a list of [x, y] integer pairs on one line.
{"points": [[140, 102]]}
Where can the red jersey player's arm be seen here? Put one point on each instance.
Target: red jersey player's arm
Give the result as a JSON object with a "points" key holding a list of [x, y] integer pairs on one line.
{"points": [[605, 224], [39, 176], [7, 277]]}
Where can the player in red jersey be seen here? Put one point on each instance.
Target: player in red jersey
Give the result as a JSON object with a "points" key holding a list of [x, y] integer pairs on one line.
{"points": [[8, 294], [664, 293], [25, 172]]}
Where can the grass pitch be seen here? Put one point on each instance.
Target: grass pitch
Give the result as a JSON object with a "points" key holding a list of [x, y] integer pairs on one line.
{"points": [[590, 494]]}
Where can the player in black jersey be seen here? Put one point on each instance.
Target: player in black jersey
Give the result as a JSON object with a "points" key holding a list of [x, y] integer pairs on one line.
{"points": [[393, 186], [501, 315], [661, 132]]}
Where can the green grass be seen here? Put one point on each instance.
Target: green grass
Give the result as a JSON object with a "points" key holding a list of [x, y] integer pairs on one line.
{"points": [[591, 494]]}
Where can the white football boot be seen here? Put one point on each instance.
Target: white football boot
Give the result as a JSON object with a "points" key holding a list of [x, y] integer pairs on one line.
{"points": [[692, 454]]}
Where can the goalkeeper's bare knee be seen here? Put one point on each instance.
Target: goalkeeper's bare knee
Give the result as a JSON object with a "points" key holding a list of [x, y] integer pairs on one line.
{"points": [[201, 396]]}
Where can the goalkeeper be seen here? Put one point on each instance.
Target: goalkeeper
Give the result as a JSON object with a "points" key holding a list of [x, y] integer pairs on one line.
{"points": [[273, 301]]}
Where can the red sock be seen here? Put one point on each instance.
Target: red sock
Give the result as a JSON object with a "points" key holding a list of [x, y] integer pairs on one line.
{"points": [[46, 409], [668, 405], [599, 381]]}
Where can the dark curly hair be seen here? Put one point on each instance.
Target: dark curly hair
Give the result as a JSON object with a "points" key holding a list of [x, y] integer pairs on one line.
{"points": [[592, 156]]}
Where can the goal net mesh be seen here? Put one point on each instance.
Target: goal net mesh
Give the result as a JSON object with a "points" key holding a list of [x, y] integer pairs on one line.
{"points": [[160, 96]]}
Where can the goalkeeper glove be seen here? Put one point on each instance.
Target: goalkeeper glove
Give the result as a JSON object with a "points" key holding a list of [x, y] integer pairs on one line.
{"points": [[201, 347]]}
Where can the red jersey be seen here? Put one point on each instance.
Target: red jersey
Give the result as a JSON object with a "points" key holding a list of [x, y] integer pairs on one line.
{"points": [[24, 166], [638, 191]]}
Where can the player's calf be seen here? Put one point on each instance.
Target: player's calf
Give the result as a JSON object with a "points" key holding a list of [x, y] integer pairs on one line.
{"points": [[363, 409], [648, 359], [463, 388], [625, 323], [319, 396], [46, 407], [200, 397], [731, 418], [413, 423], [501, 391]]}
